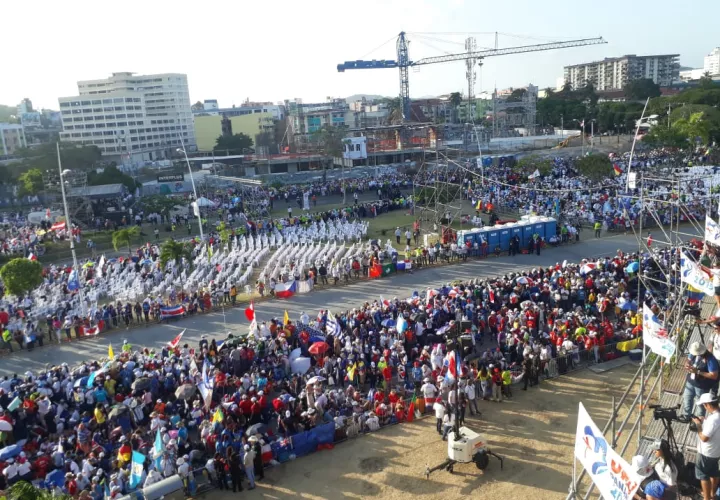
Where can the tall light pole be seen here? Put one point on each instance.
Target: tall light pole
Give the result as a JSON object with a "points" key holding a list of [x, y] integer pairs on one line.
{"points": [[68, 228], [192, 181]]}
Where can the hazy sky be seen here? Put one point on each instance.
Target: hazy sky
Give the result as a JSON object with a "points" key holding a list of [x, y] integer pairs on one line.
{"points": [[271, 50]]}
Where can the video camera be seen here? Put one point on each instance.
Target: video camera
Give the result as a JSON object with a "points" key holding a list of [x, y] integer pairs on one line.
{"points": [[665, 412]]}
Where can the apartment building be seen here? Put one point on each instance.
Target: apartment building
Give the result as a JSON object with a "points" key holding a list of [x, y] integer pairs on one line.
{"points": [[130, 117], [12, 138], [614, 73]]}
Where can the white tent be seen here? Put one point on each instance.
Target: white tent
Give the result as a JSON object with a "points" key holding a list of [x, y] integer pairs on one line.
{"points": [[204, 202]]}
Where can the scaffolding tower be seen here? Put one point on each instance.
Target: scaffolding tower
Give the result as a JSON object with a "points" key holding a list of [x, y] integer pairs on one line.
{"points": [[666, 222], [79, 207]]}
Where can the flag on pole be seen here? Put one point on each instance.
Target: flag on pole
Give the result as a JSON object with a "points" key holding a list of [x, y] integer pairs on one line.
{"points": [[158, 449], [402, 324], [332, 326], [111, 354], [411, 409], [174, 342], [286, 318], [617, 169], [250, 312], [218, 416]]}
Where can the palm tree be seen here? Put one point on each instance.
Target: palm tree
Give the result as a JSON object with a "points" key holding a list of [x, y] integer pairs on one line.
{"points": [[124, 237], [174, 251], [395, 111], [455, 100], [22, 490]]}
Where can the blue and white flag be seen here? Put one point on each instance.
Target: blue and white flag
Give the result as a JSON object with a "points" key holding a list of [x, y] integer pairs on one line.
{"points": [[332, 327], [73, 281], [712, 231], [158, 449], [402, 324], [137, 469]]}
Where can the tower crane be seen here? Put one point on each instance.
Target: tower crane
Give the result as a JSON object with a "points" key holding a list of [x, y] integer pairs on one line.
{"points": [[403, 61]]}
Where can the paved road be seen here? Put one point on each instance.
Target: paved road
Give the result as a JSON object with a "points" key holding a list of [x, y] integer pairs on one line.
{"points": [[217, 325]]}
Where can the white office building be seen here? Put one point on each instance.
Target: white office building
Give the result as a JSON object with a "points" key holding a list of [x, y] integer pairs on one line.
{"points": [[614, 73], [131, 118], [712, 62]]}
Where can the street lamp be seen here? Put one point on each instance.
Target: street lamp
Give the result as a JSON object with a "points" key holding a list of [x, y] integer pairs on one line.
{"points": [[68, 228], [196, 209]]}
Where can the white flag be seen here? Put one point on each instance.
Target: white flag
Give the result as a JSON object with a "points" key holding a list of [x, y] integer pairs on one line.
{"points": [[712, 231], [693, 275], [655, 336]]}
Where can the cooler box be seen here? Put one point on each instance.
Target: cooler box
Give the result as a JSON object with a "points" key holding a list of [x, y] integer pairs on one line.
{"points": [[635, 354]]}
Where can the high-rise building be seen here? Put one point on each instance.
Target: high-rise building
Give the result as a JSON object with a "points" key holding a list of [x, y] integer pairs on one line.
{"points": [[614, 73], [12, 138], [130, 117], [712, 62]]}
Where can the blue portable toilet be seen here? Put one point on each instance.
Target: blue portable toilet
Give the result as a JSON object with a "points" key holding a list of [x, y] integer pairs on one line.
{"points": [[517, 231], [505, 239], [528, 231], [493, 239], [539, 228], [550, 227], [469, 237]]}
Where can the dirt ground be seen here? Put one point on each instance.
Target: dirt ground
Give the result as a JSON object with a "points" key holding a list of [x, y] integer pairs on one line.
{"points": [[534, 432]]}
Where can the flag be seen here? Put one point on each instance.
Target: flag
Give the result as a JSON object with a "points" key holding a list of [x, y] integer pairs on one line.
{"points": [[402, 324], [285, 290], [210, 252], [136, 469], [250, 312], [649, 240], [712, 231], [32, 256], [158, 449], [172, 311], [384, 302], [351, 372], [286, 318], [478, 205], [73, 281], [111, 354], [107, 489], [14, 404], [58, 226], [174, 342], [206, 385], [694, 294], [218, 416], [617, 169], [411, 409], [332, 326], [91, 330]]}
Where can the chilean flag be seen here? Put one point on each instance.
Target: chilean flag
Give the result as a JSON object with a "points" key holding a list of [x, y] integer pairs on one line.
{"points": [[172, 311], [250, 312], [285, 290]]}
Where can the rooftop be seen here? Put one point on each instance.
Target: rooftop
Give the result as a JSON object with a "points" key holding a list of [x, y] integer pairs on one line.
{"points": [[627, 56]]}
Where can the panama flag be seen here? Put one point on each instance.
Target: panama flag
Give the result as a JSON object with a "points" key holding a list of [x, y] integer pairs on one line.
{"points": [[285, 290], [384, 302], [250, 312], [32, 256], [453, 366], [174, 342], [172, 311], [431, 293]]}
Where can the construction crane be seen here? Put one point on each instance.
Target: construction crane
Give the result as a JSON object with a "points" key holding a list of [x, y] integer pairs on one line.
{"points": [[403, 61]]}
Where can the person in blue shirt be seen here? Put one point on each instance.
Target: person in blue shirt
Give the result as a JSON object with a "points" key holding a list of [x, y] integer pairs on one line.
{"points": [[101, 395], [702, 377]]}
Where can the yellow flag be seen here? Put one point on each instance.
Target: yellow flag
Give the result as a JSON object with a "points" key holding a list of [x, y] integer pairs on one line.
{"points": [[286, 318], [111, 354], [218, 416]]}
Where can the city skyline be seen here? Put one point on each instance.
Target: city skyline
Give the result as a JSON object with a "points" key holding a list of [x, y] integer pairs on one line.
{"points": [[277, 50]]}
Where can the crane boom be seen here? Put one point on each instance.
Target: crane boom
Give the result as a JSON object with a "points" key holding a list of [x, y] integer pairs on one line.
{"points": [[403, 61], [509, 50]]}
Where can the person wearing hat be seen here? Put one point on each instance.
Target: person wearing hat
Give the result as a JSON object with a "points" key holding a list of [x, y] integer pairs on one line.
{"points": [[663, 484], [708, 445], [641, 466], [703, 370], [249, 465]]}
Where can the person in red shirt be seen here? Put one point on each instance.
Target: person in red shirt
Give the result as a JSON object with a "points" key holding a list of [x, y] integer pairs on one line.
{"points": [[245, 406], [4, 317], [41, 465], [387, 375], [70, 484]]}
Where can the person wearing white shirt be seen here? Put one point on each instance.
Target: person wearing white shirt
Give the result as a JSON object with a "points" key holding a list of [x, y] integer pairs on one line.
{"points": [[373, 422], [448, 424], [429, 392], [470, 394], [708, 445], [11, 472], [439, 408]]}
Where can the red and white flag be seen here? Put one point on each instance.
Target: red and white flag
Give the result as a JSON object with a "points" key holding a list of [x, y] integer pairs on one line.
{"points": [[92, 330], [250, 312], [32, 257], [174, 342], [58, 226]]}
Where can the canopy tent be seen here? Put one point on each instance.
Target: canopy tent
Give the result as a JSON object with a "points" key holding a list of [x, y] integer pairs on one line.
{"points": [[204, 202], [102, 191]]}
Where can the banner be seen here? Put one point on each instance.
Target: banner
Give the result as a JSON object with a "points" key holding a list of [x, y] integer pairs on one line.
{"points": [[655, 336], [628, 345], [612, 475], [136, 469], [712, 231], [694, 276]]}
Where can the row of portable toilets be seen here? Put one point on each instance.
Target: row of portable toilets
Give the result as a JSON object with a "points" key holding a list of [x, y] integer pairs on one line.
{"points": [[499, 235]]}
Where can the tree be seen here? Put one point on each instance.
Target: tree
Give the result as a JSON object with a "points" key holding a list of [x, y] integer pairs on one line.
{"points": [[160, 204], [661, 136], [455, 100], [595, 167], [111, 175], [198, 106], [395, 111], [706, 82], [516, 95], [175, 251], [124, 237], [528, 164], [641, 89], [31, 182], [21, 275], [236, 143], [694, 127], [22, 490]]}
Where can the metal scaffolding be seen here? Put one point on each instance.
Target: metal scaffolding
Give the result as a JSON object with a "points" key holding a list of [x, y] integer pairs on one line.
{"points": [[665, 228]]}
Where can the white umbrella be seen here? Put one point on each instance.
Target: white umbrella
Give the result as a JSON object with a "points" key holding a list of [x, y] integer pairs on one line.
{"points": [[315, 380], [295, 354], [5, 426], [300, 365]]}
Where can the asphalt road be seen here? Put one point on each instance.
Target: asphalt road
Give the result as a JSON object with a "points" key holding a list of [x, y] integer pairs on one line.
{"points": [[217, 325]]}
